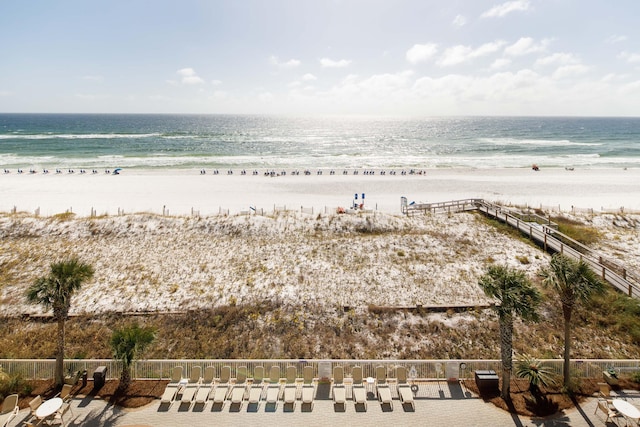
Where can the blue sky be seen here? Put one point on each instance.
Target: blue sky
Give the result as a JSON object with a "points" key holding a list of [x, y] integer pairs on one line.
{"points": [[369, 57]]}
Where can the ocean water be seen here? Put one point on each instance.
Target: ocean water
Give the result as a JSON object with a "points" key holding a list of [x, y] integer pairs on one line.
{"points": [[47, 141]]}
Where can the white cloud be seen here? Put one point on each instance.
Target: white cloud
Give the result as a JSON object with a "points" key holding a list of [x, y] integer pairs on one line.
{"points": [[630, 57], [573, 70], [500, 10], [459, 21], [216, 82], [615, 38], [292, 63], [455, 55], [500, 63], [330, 63], [459, 54], [4, 93], [189, 76], [526, 45], [421, 52], [557, 59], [309, 77]]}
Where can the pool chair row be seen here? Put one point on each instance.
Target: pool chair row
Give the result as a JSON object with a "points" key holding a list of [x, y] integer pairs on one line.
{"points": [[273, 389], [381, 385], [253, 390]]}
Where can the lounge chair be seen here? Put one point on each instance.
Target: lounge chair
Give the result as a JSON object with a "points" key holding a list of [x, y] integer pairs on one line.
{"points": [[34, 404], [65, 395], [382, 387], [73, 379], [221, 390], [9, 410], [172, 388], [404, 390], [240, 387], [189, 391], [308, 390], [205, 386], [358, 390], [607, 408], [290, 389], [257, 387], [339, 390], [273, 389]]}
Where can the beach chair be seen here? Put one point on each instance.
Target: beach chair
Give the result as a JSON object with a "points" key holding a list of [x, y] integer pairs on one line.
{"points": [[404, 390], [190, 389], [308, 390], [382, 387], [257, 387], [607, 408], [290, 389], [339, 390], [172, 388], [273, 389], [206, 386], [34, 404], [65, 395], [9, 410], [222, 387], [240, 387], [358, 390]]}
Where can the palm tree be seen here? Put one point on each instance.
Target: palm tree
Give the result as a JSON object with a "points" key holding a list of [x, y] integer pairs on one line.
{"points": [[536, 373], [517, 297], [127, 343], [54, 291], [574, 282]]}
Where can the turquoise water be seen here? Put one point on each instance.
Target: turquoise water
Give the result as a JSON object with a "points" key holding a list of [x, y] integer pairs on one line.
{"points": [[50, 141]]}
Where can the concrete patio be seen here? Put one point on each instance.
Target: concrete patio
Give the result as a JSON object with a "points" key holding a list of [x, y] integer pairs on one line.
{"points": [[437, 404]]}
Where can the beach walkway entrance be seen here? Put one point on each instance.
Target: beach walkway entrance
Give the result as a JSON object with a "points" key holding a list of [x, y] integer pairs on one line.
{"points": [[542, 231]]}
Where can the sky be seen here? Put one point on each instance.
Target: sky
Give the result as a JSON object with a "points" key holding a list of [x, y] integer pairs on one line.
{"points": [[321, 57]]}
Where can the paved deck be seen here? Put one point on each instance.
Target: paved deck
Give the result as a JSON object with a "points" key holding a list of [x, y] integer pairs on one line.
{"points": [[438, 404]]}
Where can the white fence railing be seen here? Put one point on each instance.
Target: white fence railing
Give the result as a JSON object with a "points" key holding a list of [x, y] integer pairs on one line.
{"points": [[418, 369]]}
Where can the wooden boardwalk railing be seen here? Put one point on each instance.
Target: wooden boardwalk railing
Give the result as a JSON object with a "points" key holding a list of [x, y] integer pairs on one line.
{"points": [[545, 234]]}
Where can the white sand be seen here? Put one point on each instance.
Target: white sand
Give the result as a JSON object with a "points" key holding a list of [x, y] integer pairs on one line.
{"points": [[179, 191], [150, 262]]}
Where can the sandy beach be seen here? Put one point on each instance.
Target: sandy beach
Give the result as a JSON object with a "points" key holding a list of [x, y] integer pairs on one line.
{"points": [[180, 191], [309, 265]]}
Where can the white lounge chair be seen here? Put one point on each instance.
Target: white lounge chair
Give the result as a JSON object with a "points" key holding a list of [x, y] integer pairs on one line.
{"points": [[339, 390], [290, 389], [206, 386], [257, 387], [222, 387], [240, 387], [308, 390], [382, 387], [358, 390], [404, 390], [172, 388], [9, 409], [192, 386], [273, 389]]}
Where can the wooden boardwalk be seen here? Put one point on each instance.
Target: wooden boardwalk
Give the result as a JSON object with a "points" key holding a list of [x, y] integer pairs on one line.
{"points": [[543, 232]]}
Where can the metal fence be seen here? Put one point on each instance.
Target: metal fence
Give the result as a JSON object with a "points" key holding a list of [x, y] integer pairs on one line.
{"points": [[417, 369]]}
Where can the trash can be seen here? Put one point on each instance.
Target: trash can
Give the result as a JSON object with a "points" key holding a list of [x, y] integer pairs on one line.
{"points": [[84, 378], [487, 381], [99, 376]]}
